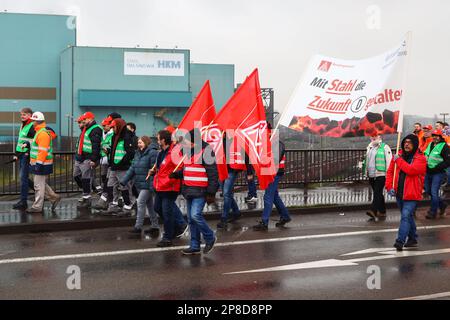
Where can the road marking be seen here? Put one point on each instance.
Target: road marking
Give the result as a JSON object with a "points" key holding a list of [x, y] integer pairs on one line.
{"points": [[222, 244], [429, 296], [366, 251], [342, 263]]}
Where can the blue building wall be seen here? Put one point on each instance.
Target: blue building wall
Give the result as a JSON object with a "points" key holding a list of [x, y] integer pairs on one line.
{"points": [[29, 58]]}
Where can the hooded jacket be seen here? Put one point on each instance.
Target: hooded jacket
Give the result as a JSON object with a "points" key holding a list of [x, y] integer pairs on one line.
{"points": [[142, 163], [410, 172], [126, 135]]}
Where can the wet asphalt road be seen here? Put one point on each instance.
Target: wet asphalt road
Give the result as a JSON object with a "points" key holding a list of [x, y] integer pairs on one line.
{"points": [[115, 272]]}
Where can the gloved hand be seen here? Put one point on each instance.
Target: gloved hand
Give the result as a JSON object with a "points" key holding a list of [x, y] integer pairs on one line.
{"points": [[391, 193], [210, 198]]}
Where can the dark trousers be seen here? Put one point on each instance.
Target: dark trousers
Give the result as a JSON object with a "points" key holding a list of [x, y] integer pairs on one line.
{"points": [[378, 204], [24, 163]]}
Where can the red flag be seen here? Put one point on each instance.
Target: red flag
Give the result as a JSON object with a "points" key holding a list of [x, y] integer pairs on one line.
{"points": [[245, 114], [201, 115]]}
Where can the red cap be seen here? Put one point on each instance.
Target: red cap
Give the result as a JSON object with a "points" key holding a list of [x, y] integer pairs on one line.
{"points": [[81, 118], [428, 127], [170, 128], [89, 115], [107, 121], [437, 133]]}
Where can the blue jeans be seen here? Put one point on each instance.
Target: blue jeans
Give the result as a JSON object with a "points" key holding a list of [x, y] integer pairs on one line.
{"points": [[197, 223], [165, 207], [432, 186], [24, 162], [179, 219], [407, 224], [228, 196], [271, 197], [251, 188]]}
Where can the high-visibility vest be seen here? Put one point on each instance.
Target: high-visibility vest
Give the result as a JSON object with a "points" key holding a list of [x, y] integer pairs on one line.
{"points": [[282, 162], [194, 174], [434, 157], [106, 142], [23, 138], [237, 158], [35, 150], [87, 143], [380, 158], [120, 152]]}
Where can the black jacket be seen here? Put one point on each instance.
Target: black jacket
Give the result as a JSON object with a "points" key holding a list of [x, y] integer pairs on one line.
{"points": [[211, 171], [445, 154], [130, 149], [282, 152], [96, 140]]}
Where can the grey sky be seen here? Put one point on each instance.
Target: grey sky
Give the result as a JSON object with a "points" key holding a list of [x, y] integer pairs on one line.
{"points": [[278, 37]]}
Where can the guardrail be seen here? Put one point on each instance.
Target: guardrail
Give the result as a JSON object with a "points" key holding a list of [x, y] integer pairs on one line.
{"points": [[302, 168]]}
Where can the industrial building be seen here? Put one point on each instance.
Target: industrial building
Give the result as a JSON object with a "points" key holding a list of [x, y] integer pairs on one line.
{"points": [[42, 67]]}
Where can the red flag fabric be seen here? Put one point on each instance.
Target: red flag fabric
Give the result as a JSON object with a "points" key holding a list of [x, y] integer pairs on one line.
{"points": [[245, 114], [201, 115]]}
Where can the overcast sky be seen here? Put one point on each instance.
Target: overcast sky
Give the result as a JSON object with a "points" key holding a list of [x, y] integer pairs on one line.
{"points": [[278, 37]]}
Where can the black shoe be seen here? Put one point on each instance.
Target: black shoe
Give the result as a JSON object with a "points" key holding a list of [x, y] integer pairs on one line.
{"points": [[189, 251], [442, 210], [21, 205], [164, 243], [411, 244], [135, 231], [261, 226], [251, 199], [282, 222], [235, 217], [181, 231], [371, 214], [222, 225], [152, 232], [209, 246], [398, 245]]}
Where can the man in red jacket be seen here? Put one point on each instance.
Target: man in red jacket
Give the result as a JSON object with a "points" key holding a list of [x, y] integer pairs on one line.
{"points": [[410, 167]]}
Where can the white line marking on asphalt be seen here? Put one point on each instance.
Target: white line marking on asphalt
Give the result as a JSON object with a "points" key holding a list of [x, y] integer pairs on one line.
{"points": [[222, 244], [429, 296], [366, 251]]}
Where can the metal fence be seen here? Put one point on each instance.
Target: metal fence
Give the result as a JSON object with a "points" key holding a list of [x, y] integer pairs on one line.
{"points": [[302, 168]]}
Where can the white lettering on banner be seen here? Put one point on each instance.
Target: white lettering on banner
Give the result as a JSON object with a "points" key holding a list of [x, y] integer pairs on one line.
{"points": [[348, 98], [154, 64]]}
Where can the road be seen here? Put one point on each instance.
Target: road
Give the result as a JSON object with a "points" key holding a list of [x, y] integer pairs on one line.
{"points": [[320, 256]]}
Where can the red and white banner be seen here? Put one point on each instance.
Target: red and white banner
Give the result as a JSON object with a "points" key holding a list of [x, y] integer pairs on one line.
{"points": [[348, 98]]}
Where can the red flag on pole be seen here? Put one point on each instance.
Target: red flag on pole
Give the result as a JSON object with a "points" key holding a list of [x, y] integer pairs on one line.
{"points": [[201, 115], [245, 114]]}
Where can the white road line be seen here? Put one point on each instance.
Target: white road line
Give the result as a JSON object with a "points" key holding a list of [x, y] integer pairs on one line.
{"points": [[428, 297], [222, 244]]}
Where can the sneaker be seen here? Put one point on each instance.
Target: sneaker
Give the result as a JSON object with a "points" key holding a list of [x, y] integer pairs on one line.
{"points": [[21, 205], [442, 210], [164, 243], [181, 231], [135, 231], [251, 199], [84, 203], [282, 222], [55, 203], [235, 217], [189, 251], [152, 232], [398, 245], [411, 244], [261, 226], [222, 225], [34, 210], [209, 246]]}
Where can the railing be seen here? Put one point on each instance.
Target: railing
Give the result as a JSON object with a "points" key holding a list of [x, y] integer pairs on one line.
{"points": [[302, 168]]}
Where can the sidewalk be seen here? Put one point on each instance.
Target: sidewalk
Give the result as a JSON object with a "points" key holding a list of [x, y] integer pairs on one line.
{"points": [[340, 198]]}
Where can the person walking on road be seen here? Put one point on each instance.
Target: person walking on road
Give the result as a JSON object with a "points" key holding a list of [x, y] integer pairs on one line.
{"points": [[378, 158], [438, 160], [41, 160], [408, 168]]}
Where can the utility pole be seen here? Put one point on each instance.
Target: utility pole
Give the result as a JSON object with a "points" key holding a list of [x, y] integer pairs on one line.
{"points": [[443, 115]]}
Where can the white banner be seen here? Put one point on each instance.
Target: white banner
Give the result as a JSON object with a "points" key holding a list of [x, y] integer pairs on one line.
{"points": [[153, 64], [348, 98]]}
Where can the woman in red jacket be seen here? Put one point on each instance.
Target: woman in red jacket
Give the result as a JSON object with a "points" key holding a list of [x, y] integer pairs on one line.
{"points": [[410, 167]]}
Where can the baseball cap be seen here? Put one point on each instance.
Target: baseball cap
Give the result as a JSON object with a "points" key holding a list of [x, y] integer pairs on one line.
{"points": [[89, 115]]}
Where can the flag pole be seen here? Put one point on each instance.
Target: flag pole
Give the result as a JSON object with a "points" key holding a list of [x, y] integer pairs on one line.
{"points": [[400, 117]]}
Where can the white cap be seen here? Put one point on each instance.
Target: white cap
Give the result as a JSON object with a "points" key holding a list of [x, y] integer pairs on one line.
{"points": [[38, 116]]}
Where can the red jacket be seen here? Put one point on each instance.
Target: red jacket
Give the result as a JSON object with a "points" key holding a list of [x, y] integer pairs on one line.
{"points": [[415, 175], [162, 182]]}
